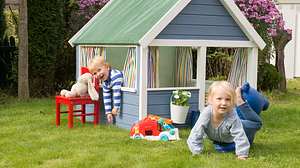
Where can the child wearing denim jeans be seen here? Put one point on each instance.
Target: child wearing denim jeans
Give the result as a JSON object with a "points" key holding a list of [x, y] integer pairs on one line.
{"points": [[249, 117], [220, 122]]}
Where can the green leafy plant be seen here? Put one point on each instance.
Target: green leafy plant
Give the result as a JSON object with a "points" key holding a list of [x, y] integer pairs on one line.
{"points": [[181, 97], [268, 77], [219, 63], [45, 42]]}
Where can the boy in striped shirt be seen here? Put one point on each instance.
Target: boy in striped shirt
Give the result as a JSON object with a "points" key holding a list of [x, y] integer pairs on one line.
{"points": [[112, 80]]}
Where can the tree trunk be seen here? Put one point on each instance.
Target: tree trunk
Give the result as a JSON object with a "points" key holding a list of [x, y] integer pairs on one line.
{"points": [[23, 85], [280, 42]]}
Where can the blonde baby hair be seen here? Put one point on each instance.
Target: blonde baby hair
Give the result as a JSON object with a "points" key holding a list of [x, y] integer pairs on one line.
{"points": [[97, 62], [226, 86]]}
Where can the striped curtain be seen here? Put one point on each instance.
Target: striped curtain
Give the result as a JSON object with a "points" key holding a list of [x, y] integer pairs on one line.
{"points": [[129, 70], [88, 53], [184, 68], [153, 67], [238, 72]]}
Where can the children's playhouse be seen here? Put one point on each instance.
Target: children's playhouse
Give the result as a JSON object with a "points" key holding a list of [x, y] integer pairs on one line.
{"points": [[150, 39]]}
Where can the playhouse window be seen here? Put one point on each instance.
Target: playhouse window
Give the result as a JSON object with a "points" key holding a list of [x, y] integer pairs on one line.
{"points": [[223, 64], [124, 59], [170, 67], [87, 53], [121, 58]]}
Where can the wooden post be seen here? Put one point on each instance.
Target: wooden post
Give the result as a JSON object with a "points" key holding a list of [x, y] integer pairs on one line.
{"points": [[143, 82], [252, 62], [201, 74]]}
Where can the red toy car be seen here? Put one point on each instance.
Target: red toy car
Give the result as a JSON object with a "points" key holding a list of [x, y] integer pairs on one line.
{"points": [[154, 128]]}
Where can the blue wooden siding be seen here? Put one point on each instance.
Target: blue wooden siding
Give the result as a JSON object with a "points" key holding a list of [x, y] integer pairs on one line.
{"points": [[159, 102], [130, 102], [203, 20], [129, 111]]}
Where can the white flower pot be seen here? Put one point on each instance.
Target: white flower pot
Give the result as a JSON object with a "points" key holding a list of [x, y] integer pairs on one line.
{"points": [[178, 113]]}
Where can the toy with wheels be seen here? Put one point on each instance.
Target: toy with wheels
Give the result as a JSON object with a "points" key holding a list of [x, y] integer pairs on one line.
{"points": [[154, 128]]}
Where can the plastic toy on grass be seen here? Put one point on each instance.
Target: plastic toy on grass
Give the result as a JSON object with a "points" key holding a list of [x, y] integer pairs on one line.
{"points": [[154, 128]]}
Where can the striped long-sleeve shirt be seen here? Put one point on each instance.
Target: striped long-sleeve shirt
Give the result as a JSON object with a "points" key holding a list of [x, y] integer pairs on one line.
{"points": [[112, 90]]}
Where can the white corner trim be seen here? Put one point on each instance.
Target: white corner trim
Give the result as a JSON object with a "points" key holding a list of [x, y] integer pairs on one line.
{"points": [[207, 43], [78, 52], [127, 89], [201, 74], [163, 22], [143, 82], [252, 64], [88, 24], [243, 22]]}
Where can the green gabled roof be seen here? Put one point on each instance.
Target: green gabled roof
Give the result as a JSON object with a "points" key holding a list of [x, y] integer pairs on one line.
{"points": [[123, 22]]}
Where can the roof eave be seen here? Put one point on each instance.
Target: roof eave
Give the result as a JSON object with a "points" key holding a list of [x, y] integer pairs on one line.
{"points": [[106, 44]]}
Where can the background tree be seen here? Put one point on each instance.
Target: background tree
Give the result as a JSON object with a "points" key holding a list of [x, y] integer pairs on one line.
{"points": [[76, 14], [46, 37], [66, 56], [280, 41], [268, 22], [88, 8], [50, 63], [2, 20], [23, 85]]}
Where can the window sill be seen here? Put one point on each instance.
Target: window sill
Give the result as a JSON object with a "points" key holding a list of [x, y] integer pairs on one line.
{"points": [[127, 89], [173, 88]]}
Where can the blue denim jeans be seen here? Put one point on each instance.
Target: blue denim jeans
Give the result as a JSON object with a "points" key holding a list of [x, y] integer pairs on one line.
{"points": [[250, 119], [251, 122]]}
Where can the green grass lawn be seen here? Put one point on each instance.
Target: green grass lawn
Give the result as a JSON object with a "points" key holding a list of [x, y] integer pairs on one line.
{"points": [[29, 138]]}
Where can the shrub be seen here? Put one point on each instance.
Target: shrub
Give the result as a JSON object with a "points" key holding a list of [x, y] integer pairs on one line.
{"points": [[268, 77], [45, 42], [218, 64], [2, 20]]}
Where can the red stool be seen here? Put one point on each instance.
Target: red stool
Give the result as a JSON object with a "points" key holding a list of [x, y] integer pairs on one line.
{"points": [[70, 102]]}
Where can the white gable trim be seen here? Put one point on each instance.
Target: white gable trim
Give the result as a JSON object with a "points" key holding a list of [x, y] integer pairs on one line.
{"points": [[201, 74], [206, 43], [252, 64], [88, 24], [243, 22], [163, 22]]}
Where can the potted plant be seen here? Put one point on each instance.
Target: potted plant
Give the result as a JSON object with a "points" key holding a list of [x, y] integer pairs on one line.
{"points": [[179, 105]]}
